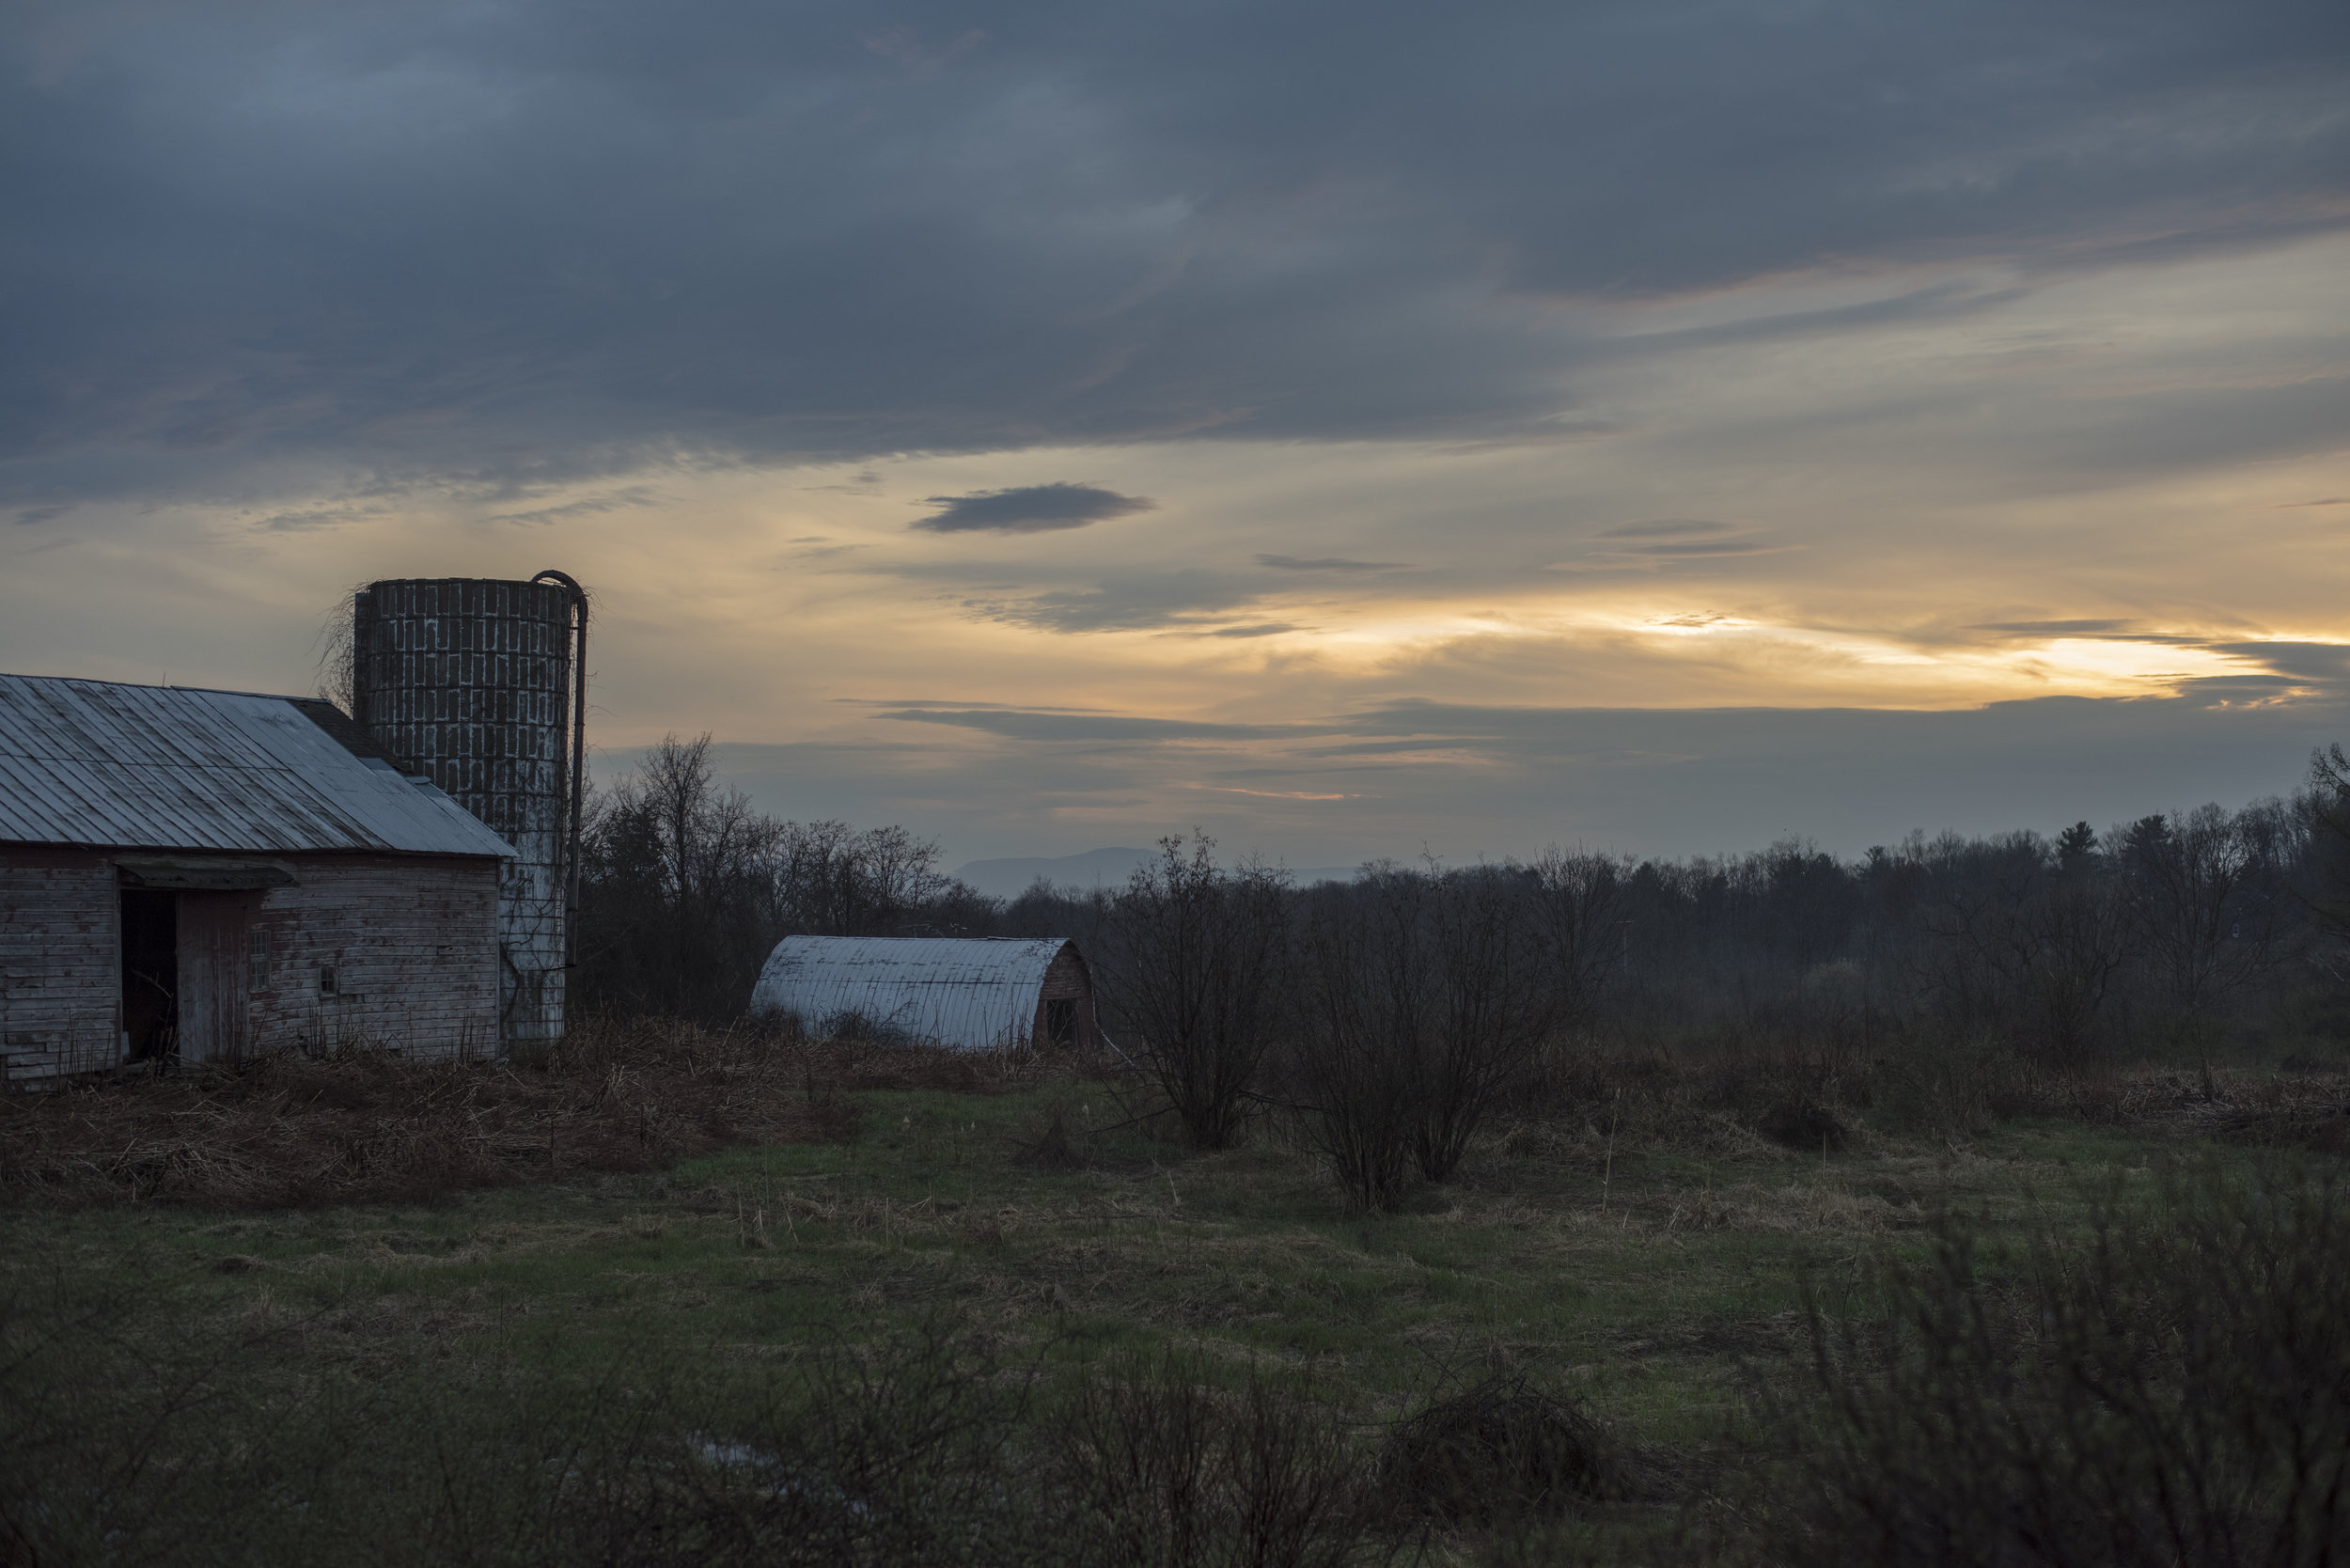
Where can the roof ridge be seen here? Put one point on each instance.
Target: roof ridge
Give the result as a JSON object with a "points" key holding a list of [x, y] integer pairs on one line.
{"points": [[149, 686]]}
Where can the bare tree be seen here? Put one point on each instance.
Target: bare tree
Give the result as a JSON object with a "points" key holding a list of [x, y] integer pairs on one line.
{"points": [[1192, 967], [2195, 888], [834, 880], [687, 887], [1578, 910], [2024, 944]]}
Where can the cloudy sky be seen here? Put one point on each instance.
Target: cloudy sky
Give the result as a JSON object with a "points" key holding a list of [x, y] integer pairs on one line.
{"points": [[1666, 424]]}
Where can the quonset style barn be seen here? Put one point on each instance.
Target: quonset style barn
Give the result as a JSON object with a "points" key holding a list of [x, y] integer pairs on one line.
{"points": [[972, 993], [215, 874]]}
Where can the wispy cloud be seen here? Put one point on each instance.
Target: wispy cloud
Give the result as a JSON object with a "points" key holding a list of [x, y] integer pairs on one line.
{"points": [[592, 506], [304, 520], [1667, 527], [1126, 602], [1657, 542], [1032, 725], [2088, 628], [1326, 563]]}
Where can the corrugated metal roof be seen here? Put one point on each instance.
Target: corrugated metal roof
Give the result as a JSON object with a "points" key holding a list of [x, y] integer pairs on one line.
{"points": [[114, 766], [974, 992]]}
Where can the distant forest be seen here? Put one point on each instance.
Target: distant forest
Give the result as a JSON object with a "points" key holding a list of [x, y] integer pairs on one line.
{"points": [[2182, 936]]}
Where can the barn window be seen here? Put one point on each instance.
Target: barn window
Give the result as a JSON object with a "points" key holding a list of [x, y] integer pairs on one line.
{"points": [[326, 979], [256, 961], [1061, 1020]]}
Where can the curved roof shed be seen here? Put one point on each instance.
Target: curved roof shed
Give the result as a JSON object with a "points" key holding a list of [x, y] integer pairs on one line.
{"points": [[967, 993]]}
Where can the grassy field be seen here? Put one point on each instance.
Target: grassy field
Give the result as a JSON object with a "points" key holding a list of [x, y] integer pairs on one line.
{"points": [[1651, 1268]]}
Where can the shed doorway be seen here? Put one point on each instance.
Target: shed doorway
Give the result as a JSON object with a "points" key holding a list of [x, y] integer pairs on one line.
{"points": [[150, 974]]}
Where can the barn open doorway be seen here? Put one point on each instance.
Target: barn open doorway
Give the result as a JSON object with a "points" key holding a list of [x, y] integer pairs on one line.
{"points": [[151, 973], [1060, 1022]]}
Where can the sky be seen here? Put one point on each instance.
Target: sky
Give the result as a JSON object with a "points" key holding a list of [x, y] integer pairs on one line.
{"points": [[1353, 430]]}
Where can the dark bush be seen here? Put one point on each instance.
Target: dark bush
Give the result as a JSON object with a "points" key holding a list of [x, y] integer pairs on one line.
{"points": [[1802, 1122], [1503, 1449]]}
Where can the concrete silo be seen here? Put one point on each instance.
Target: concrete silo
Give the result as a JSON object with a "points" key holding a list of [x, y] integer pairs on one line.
{"points": [[477, 683]]}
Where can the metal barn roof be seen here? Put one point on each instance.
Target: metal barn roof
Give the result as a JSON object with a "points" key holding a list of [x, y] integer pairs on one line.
{"points": [[114, 766], [975, 993]]}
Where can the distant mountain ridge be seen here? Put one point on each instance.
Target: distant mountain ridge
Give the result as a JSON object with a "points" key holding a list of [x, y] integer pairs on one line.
{"points": [[1010, 877]]}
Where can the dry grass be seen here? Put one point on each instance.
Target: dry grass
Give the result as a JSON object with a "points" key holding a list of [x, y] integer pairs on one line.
{"points": [[2260, 1109], [368, 1125]]}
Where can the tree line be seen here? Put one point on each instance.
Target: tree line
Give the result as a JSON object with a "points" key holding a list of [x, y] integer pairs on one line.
{"points": [[1389, 1013]]}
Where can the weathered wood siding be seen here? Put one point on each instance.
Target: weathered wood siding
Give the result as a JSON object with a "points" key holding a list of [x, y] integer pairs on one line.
{"points": [[1068, 980], [411, 943], [213, 1022], [414, 950], [60, 967]]}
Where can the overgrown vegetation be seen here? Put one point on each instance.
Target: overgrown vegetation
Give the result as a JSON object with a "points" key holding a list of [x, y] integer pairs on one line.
{"points": [[1645, 1320], [2173, 1386], [1974, 1203]]}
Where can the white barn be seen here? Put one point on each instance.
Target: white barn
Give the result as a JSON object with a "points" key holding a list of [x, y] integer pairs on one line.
{"points": [[968, 993]]}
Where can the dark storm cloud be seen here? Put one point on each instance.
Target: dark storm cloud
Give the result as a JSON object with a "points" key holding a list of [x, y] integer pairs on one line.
{"points": [[1030, 509], [493, 246]]}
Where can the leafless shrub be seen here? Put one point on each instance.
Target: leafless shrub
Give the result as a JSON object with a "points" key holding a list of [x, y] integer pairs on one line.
{"points": [[1349, 1070], [1190, 970], [1167, 1469], [2176, 1390], [1487, 994], [1422, 997]]}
